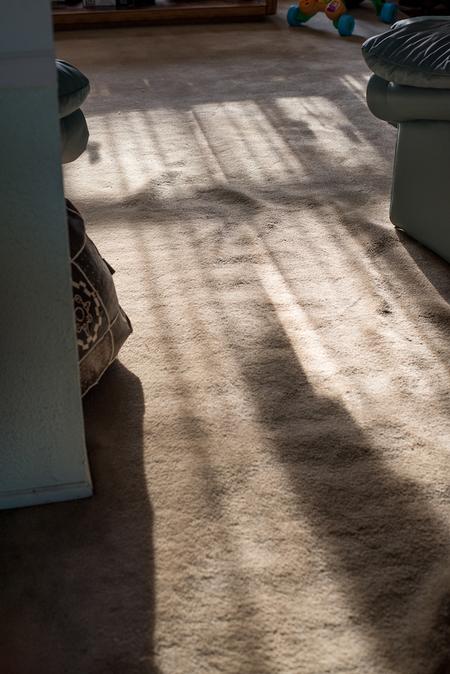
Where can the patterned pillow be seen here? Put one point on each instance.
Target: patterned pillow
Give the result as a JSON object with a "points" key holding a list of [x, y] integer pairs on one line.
{"points": [[101, 324]]}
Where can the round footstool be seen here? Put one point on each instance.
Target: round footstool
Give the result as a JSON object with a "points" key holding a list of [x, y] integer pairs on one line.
{"points": [[410, 88], [73, 89]]}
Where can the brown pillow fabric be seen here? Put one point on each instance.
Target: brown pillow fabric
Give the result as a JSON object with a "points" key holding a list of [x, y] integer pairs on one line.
{"points": [[101, 324]]}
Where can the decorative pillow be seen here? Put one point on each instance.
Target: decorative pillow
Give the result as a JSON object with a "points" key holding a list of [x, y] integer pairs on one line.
{"points": [[73, 88], [414, 52], [101, 324]]}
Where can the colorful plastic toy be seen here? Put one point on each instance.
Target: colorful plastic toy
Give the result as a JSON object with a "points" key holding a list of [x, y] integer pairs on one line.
{"points": [[336, 11]]}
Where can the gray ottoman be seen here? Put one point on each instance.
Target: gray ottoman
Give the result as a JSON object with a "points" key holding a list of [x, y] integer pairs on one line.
{"points": [[73, 89], [410, 88]]}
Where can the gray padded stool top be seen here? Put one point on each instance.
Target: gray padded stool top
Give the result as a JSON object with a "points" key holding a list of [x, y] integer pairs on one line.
{"points": [[73, 87], [414, 52]]}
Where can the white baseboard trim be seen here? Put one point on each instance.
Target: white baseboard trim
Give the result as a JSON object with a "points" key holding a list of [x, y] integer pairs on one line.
{"points": [[41, 495]]}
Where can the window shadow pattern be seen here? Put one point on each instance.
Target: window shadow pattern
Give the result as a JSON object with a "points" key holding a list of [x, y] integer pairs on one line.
{"points": [[378, 531]]}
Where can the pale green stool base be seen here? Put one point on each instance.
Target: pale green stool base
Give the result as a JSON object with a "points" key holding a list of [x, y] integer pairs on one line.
{"points": [[420, 201]]}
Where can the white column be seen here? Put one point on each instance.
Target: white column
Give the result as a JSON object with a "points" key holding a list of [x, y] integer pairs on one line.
{"points": [[42, 448]]}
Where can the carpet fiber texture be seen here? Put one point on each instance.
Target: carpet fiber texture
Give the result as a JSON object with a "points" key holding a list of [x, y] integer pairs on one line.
{"points": [[271, 455]]}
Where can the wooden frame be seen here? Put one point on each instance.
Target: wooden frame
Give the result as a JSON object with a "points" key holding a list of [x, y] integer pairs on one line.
{"points": [[164, 11]]}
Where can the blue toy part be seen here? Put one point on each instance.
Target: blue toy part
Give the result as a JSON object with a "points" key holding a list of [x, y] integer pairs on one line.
{"points": [[345, 25], [388, 13], [293, 16]]}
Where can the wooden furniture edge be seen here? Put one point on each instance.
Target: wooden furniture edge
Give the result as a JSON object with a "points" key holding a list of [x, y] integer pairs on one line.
{"points": [[182, 12]]}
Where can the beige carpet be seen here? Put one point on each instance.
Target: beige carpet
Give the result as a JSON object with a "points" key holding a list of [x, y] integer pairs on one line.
{"points": [[271, 456]]}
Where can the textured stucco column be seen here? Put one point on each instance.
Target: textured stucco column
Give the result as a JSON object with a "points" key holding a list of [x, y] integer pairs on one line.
{"points": [[42, 449]]}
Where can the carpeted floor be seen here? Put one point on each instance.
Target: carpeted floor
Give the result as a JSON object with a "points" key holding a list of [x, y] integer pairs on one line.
{"points": [[271, 456]]}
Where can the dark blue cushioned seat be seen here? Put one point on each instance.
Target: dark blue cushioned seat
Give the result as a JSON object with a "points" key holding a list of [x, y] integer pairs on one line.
{"points": [[414, 53]]}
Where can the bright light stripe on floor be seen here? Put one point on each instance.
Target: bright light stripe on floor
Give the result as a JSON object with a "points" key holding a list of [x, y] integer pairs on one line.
{"points": [[312, 356]]}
